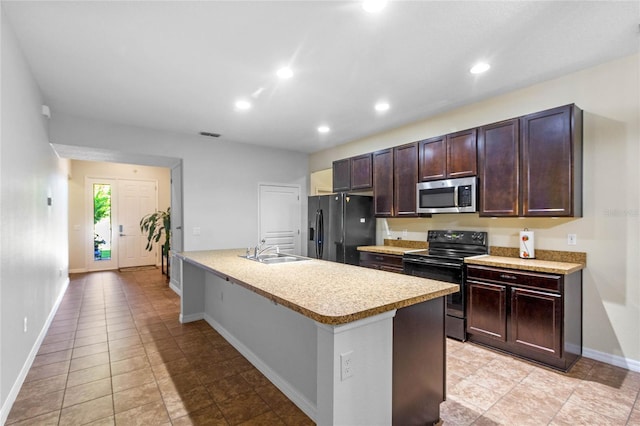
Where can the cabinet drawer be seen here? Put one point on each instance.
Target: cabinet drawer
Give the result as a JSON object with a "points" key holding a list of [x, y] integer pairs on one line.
{"points": [[550, 282], [385, 262]]}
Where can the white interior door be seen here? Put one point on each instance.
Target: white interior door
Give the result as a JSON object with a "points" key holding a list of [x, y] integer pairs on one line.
{"points": [[136, 198], [280, 221]]}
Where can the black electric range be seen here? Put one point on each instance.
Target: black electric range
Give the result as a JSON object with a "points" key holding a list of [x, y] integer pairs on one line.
{"points": [[444, 261]]}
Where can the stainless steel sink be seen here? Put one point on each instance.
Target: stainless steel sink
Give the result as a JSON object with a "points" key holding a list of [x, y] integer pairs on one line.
{"points": [[270, 258]]}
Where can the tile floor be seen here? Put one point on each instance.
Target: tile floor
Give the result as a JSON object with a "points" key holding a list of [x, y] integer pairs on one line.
{"points": [[116, 354], [488, 388]]}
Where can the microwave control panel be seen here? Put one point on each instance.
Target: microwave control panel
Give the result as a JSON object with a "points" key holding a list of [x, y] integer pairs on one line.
{"points": [[464, 196]]}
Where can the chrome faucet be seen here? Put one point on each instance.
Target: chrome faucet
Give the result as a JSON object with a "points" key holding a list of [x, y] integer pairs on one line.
{"points": [[257, 250]]}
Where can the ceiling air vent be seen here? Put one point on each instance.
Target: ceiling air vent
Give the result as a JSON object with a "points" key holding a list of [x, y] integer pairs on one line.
{"points": [[211, 135]]}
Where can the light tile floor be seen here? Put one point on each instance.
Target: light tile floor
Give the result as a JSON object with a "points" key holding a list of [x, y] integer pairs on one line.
{"points": [[489, 388], [116, 354]]}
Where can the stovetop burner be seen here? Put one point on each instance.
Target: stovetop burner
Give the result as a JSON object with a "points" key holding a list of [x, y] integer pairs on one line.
{"points": [[453, 245]]}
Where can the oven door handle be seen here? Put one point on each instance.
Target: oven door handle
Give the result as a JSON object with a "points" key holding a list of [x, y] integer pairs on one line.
{"points": [[433, 263]]}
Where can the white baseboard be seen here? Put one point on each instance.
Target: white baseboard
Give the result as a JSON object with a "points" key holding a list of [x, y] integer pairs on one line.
{"points": [[175, 288], [618, 361], [15, 389], [308, 407], [191, 318]]}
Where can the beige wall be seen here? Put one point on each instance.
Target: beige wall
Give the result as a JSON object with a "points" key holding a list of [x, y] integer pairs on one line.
{"points": [[609, 232], [79, 225]]}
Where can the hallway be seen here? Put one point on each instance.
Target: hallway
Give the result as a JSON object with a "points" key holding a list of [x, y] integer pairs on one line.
{"points": [[116, 353]]}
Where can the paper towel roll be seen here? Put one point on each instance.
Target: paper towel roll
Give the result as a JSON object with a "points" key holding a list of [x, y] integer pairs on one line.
{"points": [[526, 245]]}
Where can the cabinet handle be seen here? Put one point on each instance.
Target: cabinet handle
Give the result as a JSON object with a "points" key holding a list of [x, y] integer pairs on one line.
{"points": [[508, 277]]}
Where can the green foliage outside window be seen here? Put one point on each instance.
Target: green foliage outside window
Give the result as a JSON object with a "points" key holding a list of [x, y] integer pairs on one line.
{"points": [[101, 202]]}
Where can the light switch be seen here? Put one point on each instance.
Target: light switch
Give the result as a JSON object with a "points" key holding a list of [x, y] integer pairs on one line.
{"points": [[196, 230]]}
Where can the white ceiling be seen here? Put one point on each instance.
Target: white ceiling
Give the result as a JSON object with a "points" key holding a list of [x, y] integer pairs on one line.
{"points": [[180, 66]]}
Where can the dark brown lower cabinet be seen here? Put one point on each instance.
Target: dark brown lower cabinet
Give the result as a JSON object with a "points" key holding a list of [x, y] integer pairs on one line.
{"points": [[532, 315], [383, 262], [487, 310]]}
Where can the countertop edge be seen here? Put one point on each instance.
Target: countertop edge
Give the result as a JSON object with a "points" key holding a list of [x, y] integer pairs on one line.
{"points": [[533, 265]]}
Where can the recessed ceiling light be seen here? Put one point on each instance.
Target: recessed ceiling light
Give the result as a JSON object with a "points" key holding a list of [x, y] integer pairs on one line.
{"points": [[381, 106], [323, 129], [373, 6], [285, 72], [243, 105], [479, 68]]}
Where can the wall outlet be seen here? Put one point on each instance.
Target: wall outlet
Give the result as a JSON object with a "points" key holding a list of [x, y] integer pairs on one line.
{"points": [[346, 365], [196, 230], [25, 324], [572, 239], [404, 233]]}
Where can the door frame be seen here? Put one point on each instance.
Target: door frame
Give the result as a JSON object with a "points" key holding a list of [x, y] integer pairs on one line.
{"points": [[113, 263]]}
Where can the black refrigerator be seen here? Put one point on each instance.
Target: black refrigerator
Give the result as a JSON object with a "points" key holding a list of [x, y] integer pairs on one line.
{"points": [[338, 224]]}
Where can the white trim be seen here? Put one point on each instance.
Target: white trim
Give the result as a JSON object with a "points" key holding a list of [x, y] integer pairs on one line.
{"points": [[191, 318], [175, 288], [17, 385], [309, 408], [617, 360]]}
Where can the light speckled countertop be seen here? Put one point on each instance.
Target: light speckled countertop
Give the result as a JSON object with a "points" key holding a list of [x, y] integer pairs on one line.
{"points": [[327, 292], [535, 265]]}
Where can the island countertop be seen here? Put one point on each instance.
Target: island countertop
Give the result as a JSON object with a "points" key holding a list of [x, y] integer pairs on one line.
{"points": [[327, 292]]}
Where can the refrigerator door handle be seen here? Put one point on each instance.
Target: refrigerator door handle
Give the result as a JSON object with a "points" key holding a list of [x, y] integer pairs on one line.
{"points": [[317, 240], [320, 242]]}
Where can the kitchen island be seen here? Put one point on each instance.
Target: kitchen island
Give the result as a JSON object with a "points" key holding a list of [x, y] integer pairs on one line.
{"points": [[348, 345]]}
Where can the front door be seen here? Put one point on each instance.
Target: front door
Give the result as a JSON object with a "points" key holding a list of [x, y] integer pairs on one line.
{"points": [[136, 198], [280, 221]]}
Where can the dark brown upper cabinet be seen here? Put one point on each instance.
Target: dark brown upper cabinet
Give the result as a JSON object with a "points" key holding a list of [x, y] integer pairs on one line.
{"points": [[551, 168], [361, 172], [383, 182], [498, 164], [353, 174], [405, 179], [532, 165], [341, 175], [433, 158], [395, 175], [450, 156]]}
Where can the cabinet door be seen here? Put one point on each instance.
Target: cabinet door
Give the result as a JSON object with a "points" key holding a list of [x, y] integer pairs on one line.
{"points": [[487, 309], [405, 179], [341, 175], [361, 174], [498, 154], [536, 321], [433, 158], [383, 182], [548, 163], [462, 154]]}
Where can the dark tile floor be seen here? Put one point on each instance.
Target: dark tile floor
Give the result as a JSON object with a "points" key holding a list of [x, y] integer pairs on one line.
{"points": [[116, 354]]}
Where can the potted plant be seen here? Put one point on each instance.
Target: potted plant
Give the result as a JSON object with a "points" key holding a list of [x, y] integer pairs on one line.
{"points": [[97, 241], [154, 225]]}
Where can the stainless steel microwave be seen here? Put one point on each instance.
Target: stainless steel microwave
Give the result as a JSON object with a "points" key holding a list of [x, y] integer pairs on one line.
{"points": [[447, 196]]}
